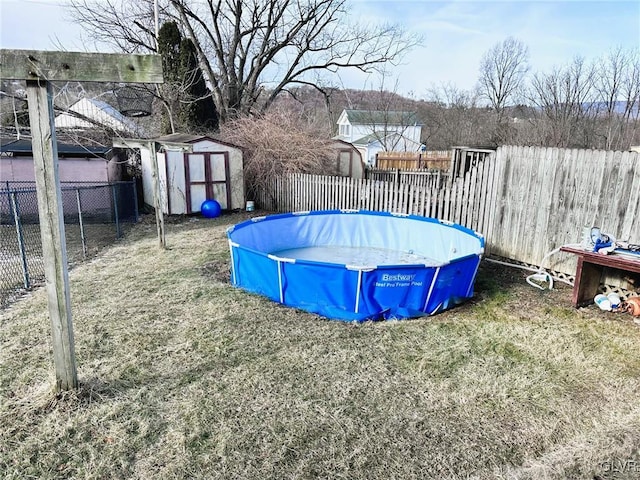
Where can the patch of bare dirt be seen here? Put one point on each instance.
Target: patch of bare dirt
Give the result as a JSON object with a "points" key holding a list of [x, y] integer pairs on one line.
{"points": [[218, 271]]}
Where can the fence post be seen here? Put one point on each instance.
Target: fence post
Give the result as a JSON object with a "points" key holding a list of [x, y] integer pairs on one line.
{"points": [[8, 192], [82, 237], [115, 211], [135, 200], [23, 253]]}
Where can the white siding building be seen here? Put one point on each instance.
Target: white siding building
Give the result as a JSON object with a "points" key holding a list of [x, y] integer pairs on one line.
{"points": [[372, 131]]}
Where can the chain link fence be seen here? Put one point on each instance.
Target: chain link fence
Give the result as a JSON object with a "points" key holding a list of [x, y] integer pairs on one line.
{"points": [[95, 215]]}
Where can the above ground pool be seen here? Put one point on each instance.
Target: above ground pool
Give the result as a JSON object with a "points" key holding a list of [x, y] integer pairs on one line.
{"points": [[356, 265]]}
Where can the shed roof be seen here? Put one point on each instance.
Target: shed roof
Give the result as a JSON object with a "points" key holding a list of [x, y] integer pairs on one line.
{"points": [[25, 147], [382, 117], [182, 138], [170, 139]]}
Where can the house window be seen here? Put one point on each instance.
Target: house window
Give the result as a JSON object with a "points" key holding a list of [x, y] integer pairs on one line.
{"points": [[344, 130]]}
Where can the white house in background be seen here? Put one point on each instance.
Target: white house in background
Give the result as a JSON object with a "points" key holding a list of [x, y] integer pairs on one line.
{"points": [[89, 113], [373, 131]]}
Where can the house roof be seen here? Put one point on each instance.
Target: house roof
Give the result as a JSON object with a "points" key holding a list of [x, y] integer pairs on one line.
{"points": [[182, 138], [380, 137], [24, 147], [369, 139], [91, 113], [381, 117]]}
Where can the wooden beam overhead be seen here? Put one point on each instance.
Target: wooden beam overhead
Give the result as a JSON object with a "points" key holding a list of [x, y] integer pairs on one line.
{"points": [[79, 66]]}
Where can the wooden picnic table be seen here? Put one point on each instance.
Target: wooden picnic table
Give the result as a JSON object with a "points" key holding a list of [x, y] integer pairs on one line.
{"points": [[589, 272]]}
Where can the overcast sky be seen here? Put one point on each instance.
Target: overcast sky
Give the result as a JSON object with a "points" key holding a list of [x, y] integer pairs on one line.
{"points": [[455, 33]]}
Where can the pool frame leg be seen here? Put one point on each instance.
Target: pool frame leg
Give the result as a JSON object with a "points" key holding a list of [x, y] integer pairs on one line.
{"points": [[431, 287]]}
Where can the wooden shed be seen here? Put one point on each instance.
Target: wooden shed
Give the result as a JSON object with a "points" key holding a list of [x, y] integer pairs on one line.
{"points": [[191, 169], [349, 160], [77, 163]]}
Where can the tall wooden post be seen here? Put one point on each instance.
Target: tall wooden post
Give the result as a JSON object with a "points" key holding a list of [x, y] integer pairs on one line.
{"points": [[54, 250], [39, 68], [157, 204]]}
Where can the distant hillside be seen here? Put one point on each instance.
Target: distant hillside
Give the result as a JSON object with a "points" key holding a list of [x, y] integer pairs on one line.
{"points": [[619, 107]]}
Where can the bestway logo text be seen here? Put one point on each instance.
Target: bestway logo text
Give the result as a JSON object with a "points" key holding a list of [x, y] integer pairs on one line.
{"points": [[398, 277]]}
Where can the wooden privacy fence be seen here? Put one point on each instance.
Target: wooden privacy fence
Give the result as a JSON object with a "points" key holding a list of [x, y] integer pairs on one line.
{"points": [[526, 201], [432, 160], [543, 197]]}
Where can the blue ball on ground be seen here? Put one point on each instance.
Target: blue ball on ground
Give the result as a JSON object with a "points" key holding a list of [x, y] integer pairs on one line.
{"points": [[210, 209]]}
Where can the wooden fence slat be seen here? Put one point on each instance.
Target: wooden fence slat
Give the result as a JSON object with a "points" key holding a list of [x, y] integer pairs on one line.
{"points": [[464, 198], [631, 221], [457, 201], [375, 196], [539, 194], [347, 192], [367, 187], [413, 209], [478, 197], [471, 206], [498, 200], [424, 202], [484, 185], [524, 208], [495, 175], [449, 195], [615, 195]]}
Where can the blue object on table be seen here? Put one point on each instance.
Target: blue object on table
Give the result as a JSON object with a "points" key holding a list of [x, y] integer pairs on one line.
{"points": [[602, 244]]}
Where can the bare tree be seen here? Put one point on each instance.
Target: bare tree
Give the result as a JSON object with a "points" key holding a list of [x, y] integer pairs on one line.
{"points": [[277, 143], [250, 51], [452, 117], [617, 84], [565, 100], [126, 26], [502, 73], [630, 95]]}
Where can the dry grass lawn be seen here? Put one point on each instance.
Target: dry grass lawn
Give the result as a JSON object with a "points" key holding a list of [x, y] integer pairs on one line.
{"points": [[183, 376]]}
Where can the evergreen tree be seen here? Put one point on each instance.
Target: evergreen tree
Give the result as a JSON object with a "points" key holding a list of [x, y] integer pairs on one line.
{"points": [[201, 112], [187, 98]]}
